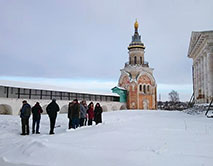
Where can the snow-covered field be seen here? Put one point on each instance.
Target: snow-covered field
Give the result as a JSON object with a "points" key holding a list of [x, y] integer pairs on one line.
{"points": [[126, 138]]}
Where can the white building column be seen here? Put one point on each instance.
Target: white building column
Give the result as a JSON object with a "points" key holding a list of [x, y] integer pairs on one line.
{"points": [[204, 83], [210, 72], [196, 80], [193, 77], [205, 78], [201, 76], [199, 79]]}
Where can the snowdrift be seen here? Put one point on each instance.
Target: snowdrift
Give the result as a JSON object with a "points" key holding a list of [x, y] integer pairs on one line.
{"points": [[125, 138]]}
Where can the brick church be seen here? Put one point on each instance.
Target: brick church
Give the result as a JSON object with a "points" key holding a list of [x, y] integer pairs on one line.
{"points": [[137, 77]]}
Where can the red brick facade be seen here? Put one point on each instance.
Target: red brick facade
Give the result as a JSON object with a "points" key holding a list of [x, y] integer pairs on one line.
{"points": [[140, 94]]}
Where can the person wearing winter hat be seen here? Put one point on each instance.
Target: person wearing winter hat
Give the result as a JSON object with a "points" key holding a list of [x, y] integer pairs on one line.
{"points": [[25, 113], [36, 111], [74, 113], [52, 110], [90, 112], [83, 113]]}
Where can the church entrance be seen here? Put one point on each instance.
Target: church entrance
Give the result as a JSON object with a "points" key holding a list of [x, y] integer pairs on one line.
{"points": [[145, 104]]}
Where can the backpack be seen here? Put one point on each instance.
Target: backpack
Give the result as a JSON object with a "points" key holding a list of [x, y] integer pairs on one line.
{"points": [[27, 111]]}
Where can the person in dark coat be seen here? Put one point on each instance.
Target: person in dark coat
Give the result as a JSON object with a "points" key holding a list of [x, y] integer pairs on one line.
{"points": [[90, 112], [83, 113], [75, 113], [69, 115], [52, 110], [36, 111], [98, 113], [25, 113]]}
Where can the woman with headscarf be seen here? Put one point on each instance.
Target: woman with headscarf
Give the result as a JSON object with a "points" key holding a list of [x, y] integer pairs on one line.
{"points": [[90, 113], [98, 113]]}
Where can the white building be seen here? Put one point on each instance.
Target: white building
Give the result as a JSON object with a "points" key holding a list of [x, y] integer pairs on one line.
{"points": [[201, 51]]}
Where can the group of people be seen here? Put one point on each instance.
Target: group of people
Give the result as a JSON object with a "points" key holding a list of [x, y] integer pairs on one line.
{"points": [[79, 114]]}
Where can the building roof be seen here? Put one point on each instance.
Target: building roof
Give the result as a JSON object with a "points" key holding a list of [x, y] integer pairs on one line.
{"points": [[17, 84], [136, 39], [197, 39], [118, 87]]}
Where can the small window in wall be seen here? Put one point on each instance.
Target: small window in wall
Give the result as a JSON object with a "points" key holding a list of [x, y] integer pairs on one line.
{"points": [[141, 60], [5, 89], [11, 91], [144, 89], [135, 60], [140, 88], [130, 60]]}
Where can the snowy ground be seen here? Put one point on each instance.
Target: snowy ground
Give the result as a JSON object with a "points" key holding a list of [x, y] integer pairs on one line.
{"points": [[126, 138]]}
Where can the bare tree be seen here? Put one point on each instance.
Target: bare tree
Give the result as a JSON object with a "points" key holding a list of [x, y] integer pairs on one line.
{"points": [[174, 96]]}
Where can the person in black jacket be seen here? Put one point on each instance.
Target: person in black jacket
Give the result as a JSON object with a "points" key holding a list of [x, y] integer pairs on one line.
{"points": [[36, 110], [25, 113], [74, 114], [69, 115], [52, 110], [98, 113]]}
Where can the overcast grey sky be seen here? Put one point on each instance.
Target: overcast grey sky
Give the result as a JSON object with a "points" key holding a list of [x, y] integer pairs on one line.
{"points": [[88, 39]]}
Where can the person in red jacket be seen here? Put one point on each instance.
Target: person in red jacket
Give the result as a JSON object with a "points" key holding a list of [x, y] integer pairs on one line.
{"points": [[90, 113]]}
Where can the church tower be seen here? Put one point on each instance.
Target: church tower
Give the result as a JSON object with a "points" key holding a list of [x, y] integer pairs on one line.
{"points": [[137, 78]]}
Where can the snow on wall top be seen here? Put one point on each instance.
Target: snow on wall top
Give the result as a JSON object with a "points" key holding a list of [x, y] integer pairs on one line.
{"points": [[17, 84]]}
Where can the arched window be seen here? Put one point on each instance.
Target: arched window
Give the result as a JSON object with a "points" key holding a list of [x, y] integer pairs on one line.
{"points": [[144, 89], [140, 88], [135, 60], [141, 60], [130, 61], [148, 88]]}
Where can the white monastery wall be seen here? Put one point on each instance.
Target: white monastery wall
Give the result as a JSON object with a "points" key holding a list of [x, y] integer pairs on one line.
{"points": [[12, 106]]}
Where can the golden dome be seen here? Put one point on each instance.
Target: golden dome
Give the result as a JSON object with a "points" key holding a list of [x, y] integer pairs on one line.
{"points": [[136, 24]]}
